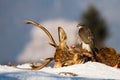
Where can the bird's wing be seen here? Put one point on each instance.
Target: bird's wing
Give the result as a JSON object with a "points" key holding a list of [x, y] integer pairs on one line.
{"points": [[86, 36]]}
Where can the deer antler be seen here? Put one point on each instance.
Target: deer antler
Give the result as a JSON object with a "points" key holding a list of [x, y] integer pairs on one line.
{"points": [[47, 61], [44, 29]]}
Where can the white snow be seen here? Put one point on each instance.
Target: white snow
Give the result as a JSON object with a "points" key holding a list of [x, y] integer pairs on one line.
{"points": [[87, 71]]}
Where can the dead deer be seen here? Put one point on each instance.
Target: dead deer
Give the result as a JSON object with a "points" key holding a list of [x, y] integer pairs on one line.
{"points": [[109, 56], [64, 55]]}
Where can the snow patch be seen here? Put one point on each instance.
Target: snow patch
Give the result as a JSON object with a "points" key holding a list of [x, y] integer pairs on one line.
{"points": [[87, 71]]}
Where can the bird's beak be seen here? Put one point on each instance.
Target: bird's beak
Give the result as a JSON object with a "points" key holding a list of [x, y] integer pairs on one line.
{"points": [[79, 26]]}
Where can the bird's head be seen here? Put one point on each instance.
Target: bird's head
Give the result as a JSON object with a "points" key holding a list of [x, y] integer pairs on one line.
{"points": [[80, 25]]}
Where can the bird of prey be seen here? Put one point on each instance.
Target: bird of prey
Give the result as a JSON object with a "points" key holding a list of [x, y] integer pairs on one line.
{"points": [[86, 39]]}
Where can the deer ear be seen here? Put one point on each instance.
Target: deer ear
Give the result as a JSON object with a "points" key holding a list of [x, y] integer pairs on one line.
{"points": [[62, 35]]}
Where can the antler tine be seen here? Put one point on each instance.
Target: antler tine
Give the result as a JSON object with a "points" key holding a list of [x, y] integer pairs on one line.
{"points": [[44, 29], [47, 61]]}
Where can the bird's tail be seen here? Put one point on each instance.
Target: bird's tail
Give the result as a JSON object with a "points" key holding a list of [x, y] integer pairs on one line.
{"points": [[94, 52]]}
